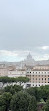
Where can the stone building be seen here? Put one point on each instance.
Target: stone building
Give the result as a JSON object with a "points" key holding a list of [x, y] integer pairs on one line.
{"points": [[39, 75]]}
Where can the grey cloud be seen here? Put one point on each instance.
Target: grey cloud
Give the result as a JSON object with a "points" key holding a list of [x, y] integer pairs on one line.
{"points": [[24, 25]]}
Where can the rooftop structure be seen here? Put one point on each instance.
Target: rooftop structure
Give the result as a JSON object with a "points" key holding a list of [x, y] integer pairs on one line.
{"points": [[29, 57]]}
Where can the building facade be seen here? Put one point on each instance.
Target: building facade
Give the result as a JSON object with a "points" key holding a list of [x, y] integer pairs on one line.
{"points": [[38, 76]]}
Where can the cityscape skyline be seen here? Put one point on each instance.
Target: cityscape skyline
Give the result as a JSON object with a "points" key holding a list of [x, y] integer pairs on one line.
{"points": [[20, 55]]}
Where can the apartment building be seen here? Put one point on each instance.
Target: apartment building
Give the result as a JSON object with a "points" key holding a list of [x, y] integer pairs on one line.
{"points": [[38, 75]]}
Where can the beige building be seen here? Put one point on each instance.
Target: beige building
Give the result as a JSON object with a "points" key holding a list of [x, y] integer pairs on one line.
{"points": [[39, 75], [3, 70]]}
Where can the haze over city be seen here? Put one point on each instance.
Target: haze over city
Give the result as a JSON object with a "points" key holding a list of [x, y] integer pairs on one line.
{"points": [[24, 28]]}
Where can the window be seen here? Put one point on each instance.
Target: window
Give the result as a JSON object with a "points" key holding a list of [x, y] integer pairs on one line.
{"points": [[30, 72], [48, 80], [45, 78], [36, 78], [42, 78], [36, 72]]}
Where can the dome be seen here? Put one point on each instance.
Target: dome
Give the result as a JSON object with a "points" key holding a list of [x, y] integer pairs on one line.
{"points": [[29, 57]]}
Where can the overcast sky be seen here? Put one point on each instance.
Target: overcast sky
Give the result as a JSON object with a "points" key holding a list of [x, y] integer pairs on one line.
{"points": [[24, 28]]}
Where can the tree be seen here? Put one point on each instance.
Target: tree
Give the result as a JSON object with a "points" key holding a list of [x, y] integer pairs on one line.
{"points": [[34, 91], [22, 79], [46, 107], [13, 89], [7, 98], [44, 90], [32, 104], [22, 101], [7, 79], [2, 103]]}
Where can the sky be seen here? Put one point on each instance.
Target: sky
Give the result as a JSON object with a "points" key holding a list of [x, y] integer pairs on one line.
{"points": [[24, 28]]}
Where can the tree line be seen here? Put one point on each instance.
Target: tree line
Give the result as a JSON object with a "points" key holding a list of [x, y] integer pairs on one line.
{"points": [[6, 79]]}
